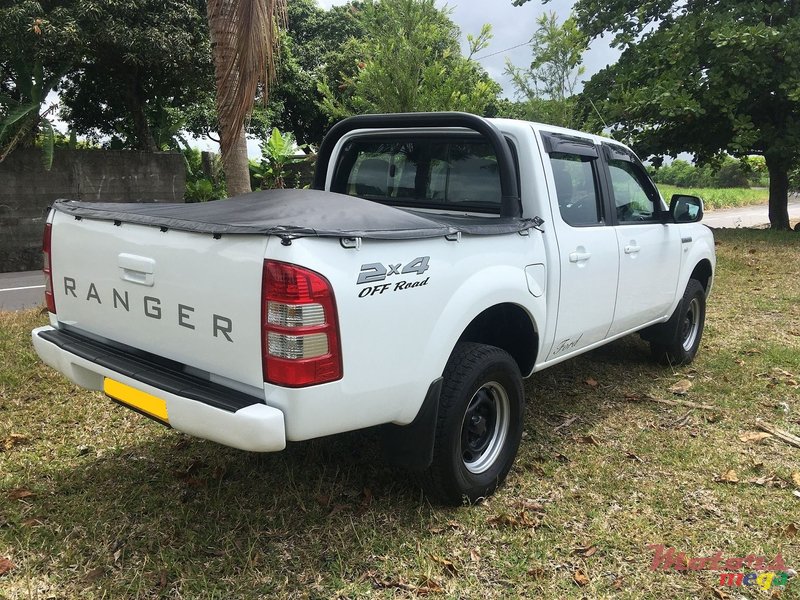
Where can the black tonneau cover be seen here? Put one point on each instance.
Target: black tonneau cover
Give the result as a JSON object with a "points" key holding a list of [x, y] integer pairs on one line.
{"points": [[295, 213]]}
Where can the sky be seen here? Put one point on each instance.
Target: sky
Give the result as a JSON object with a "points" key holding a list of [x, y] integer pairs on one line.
{"points": [[512, 26]]}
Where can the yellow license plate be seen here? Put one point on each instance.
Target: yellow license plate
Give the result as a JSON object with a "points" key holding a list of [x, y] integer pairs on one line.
{"points": [[143, 402]]}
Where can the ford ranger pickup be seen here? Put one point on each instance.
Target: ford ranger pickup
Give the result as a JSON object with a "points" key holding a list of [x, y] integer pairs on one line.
{"points": [[438, 260]]}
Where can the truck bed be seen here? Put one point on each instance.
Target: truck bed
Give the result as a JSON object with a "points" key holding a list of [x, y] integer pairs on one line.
{"points": [[296, 213]]}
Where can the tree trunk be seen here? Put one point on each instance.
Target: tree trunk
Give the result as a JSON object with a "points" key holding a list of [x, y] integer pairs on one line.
{"points": [[133, 98], [207, 166], [778, 169], [234, 158], [237, 168]]}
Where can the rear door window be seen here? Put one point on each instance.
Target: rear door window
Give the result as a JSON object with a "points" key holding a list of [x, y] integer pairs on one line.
{"points": [[425, 172]]}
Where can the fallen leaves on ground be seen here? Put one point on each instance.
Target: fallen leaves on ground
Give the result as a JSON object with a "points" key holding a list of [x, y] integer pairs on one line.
{"points": [[20, 494], [585, 551], [449, 566], [796, 478], [566, 423], [94, 574], [768, 481], [366, 499], [685, 420], [681, 388], [633, 456], [728, 476], [588, 439], [536, 573], [440, 528], [15, 439], [189, 475], [425, 587], [509, 520], [528, 504], [32, 522], [754, 437], [580, 578], [6, 565], [778, 376]]}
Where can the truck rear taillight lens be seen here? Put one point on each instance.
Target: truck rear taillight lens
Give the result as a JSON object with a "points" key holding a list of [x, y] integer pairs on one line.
{"points": [[49, 298], [300, 329]]}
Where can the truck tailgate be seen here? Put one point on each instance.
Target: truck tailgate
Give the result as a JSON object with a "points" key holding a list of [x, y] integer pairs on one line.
{"points": [[189, 297]]}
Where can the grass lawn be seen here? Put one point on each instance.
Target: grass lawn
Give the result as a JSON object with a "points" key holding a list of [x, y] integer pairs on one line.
{"points": [[719, 197], [99, 502]]}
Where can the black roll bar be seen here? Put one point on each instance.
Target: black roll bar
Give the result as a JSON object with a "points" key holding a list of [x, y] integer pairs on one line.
{"points": [[510, 206]]}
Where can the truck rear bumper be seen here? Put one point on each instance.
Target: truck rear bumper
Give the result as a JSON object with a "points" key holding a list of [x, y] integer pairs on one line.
{"points": [[193, 406]]}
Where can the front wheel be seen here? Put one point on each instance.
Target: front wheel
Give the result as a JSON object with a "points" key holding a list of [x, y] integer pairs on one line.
{"points": [[683, 338], [479, 425]]}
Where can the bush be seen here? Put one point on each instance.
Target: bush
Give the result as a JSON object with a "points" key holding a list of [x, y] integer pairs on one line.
{"points": [[201, 190], [279, 152], [729, 173], [203, 182]]}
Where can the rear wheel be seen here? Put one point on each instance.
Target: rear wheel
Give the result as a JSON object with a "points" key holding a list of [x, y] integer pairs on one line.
{"points": [[682, 339], [479, 425]]}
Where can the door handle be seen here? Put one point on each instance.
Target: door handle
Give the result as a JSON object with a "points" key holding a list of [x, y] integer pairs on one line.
{"points": [[632, 249], [579, 256]]}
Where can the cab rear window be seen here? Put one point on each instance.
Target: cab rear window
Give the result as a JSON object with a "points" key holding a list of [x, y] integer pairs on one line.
{"points": [[420, 172]]}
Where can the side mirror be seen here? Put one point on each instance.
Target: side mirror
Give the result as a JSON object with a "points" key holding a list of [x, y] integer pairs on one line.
{"points": [[686, 209]]}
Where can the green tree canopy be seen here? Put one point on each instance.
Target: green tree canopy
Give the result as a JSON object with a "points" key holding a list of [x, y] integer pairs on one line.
{"points": [[144, 63], [548, 86], [31, 33], [311, 54], [703, 76], [410, 60], [37, 46]]}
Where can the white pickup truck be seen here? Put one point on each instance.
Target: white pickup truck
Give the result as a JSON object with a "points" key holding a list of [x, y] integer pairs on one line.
{"points": [[439, 260]]}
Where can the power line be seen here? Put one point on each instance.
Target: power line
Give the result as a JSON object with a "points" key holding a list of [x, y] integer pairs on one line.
{"points": [[501, 51]]}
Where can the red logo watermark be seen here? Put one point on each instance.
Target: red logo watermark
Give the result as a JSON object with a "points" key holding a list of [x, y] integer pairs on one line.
{"points": [[736, 571]]}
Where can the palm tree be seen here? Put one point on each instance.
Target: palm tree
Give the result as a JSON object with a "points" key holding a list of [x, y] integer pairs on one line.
{"points": [[244, 44]]}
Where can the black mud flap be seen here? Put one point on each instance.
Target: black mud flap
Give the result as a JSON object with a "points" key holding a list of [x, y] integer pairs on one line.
{"points": [[411, 446], [663, 332]]}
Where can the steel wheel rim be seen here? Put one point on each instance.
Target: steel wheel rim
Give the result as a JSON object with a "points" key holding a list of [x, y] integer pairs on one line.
{"points": [[484, 428], [691, 325]]}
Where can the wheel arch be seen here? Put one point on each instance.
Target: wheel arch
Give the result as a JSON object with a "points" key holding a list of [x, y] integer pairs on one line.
{"points": [[507, 326], [703, 272]]}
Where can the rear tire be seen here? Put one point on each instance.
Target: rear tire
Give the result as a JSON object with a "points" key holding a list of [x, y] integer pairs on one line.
{"points": [[682, 340], [479, 425]]}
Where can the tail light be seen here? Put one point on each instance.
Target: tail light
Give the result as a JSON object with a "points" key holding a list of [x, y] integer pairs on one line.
{"points": [[300, 329], [49, 298]]}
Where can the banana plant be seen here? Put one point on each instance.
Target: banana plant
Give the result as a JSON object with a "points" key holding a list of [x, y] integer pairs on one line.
{"points": [[28, 114], [278, 152]]}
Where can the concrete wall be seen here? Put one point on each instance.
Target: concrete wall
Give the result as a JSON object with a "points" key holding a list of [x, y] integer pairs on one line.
{"points": [[27, 190]]}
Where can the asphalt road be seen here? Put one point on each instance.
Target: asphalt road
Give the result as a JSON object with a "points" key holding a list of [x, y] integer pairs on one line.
{"points": [[21, 290], [26, 290], [748, 216]]}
